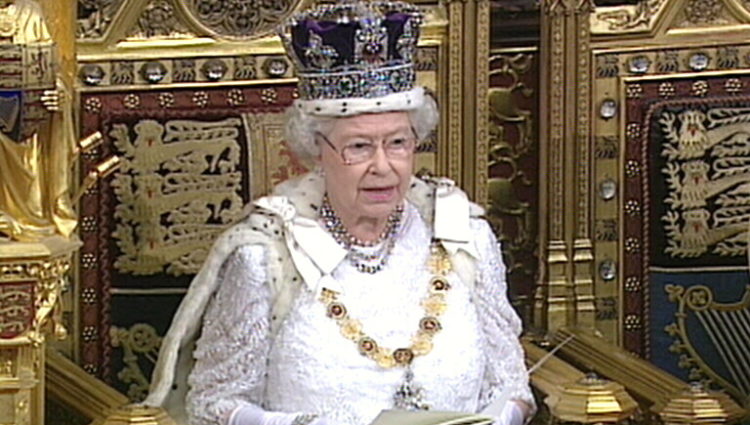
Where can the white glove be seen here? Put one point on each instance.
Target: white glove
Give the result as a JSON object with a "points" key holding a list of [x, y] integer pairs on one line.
{"points": [[512, 414], [505, 412], [321, 421], [254, 415]]}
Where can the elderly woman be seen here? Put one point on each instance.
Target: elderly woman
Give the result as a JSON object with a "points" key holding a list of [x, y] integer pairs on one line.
{"points": [[358, 287]]}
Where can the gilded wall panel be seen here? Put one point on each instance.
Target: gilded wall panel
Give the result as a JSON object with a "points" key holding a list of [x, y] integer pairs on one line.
{"points": [[178, 187], [513, 161], [95, 17], [626, 19], [670, 210], [226, 18], [158, 20], [187, 169], [686, 146], [669, 151], [187, 108], [624, 79], [180, 19], [17, 308], [607, 148]]}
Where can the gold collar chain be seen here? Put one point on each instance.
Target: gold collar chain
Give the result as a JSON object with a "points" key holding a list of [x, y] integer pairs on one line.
{"points": [[434, 305]]}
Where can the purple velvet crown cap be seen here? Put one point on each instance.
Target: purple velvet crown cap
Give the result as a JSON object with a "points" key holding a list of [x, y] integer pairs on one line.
{"points": [[353, 49], [341, 37]]}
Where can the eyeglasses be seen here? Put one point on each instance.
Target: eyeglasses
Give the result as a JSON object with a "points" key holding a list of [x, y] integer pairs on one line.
{"points": [[362, 150]]}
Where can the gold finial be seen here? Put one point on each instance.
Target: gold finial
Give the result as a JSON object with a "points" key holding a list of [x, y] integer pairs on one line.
{"points": [[696, 405], [592, 400], [137, 414]]}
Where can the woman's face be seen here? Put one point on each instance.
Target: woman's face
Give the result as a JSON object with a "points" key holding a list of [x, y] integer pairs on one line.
{"points": [[372, 188]]}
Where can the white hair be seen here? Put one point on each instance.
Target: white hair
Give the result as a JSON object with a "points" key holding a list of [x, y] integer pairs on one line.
{"points": [[301, 127]]}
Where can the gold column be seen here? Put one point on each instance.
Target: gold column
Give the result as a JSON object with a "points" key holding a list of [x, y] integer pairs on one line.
{"points": [[480, 112], [583, 256], [475, 116], [60, 17], [565, 296], [33, 274], [467, 112], [553, 300], [454, 116]]}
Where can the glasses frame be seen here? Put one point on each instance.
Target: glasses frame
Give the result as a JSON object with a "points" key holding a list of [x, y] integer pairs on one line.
{"points": [[381, 144]]}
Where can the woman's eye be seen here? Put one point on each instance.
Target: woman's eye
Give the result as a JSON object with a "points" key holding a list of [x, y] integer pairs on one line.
{"points": [[359, 145]]}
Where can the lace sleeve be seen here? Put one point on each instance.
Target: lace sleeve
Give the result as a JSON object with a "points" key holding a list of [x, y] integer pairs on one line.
{"points": [[230, 356], [500, 323]]}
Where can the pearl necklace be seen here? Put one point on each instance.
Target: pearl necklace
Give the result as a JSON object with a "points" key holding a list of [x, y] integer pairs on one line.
{"points": [[363, 261], [408, 395]]}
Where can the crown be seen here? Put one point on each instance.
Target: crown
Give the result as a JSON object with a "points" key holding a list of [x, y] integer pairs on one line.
{"points": [[353, 49]]}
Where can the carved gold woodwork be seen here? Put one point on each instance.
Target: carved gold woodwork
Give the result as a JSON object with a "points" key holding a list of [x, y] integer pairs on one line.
{"points": [[466, 115], [136, 414], [549, 377], [35, 263], [513, 152], [76, 389], [32, 278], [593, 59], [656, 41], [639, 377], [592, 400], [553, 373], [697, 405], [478, 118], [566, 297], [654, 388], [36, 133]]}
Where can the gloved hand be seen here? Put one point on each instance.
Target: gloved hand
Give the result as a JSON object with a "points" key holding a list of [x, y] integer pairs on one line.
{"points": [[253, 415], [506, 412], [512, 414], [321, 420]]}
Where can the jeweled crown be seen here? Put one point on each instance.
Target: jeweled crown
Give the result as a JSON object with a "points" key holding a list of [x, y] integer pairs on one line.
{"points": [[354, 49]]}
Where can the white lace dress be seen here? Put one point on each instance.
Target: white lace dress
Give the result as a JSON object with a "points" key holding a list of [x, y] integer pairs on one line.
{"points": [[309, 367]]}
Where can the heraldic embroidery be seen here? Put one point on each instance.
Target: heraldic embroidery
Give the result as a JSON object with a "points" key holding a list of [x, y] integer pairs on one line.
{"points": [[179, 187], [707, 174]]}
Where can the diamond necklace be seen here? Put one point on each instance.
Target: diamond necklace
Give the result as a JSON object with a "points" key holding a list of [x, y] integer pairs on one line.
{"points": [[363, 261]]}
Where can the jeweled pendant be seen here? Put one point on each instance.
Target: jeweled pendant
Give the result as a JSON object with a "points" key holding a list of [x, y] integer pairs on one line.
{"points": [[409, 396]]}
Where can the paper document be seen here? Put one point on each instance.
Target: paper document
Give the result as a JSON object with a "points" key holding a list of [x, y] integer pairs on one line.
{"points": [[428, 417]]}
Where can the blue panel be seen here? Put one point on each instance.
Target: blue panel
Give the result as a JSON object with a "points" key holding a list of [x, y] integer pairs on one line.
{"points": [[11, 110], [727, 287]]}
